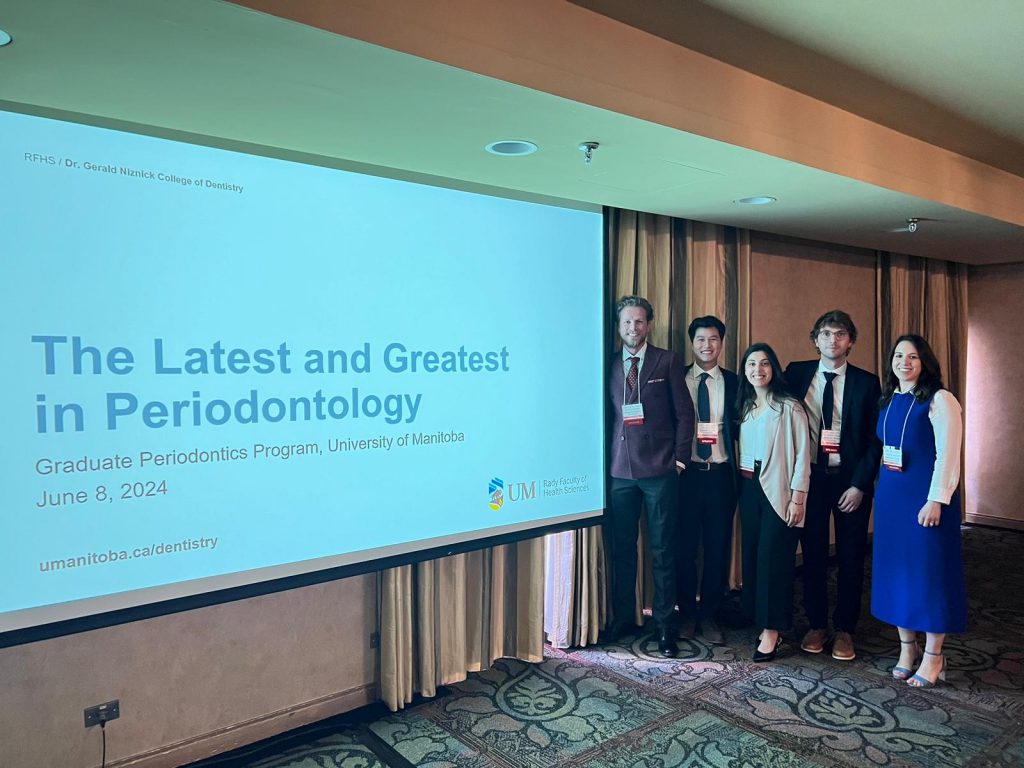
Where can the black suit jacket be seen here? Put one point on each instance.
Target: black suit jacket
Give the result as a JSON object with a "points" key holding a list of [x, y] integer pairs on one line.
{"points": [[860, 450], [732, 418]]}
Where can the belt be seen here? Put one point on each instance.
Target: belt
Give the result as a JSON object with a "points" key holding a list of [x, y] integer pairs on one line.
{"points": [[826, 470], [710, 466]]}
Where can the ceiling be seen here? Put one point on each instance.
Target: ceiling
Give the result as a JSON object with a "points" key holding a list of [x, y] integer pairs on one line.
{"points": [[945, 71], [852, 132]]}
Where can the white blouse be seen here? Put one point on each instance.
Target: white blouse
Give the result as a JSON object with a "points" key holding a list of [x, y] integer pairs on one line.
{"points": [[947, 420], [754, 436]]}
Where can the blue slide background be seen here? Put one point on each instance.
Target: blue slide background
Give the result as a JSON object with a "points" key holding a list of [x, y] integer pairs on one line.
{"points": [[315, 258]]}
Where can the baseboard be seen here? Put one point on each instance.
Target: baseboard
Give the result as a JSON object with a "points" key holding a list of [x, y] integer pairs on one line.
{"points": [[250, 731], [995, 522]]}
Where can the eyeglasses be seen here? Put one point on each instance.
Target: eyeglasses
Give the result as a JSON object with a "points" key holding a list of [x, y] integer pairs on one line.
{"points": [[837, 335]]}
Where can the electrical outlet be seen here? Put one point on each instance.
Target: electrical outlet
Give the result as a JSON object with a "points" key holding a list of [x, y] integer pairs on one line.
{"points": [[102, 713], [375, 639]]}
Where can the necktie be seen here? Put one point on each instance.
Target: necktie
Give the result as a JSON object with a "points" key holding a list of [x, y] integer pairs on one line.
{"points": [[828, 404], [828, 401], [703, 413], [634, 374]]}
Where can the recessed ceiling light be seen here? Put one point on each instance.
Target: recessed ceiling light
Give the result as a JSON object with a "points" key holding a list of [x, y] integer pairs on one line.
{"points": [[759, 200], [4, 38], [511, 148]]}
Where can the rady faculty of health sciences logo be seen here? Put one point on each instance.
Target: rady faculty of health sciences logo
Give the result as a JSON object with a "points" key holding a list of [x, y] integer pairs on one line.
{"points": [[516, 492], [496, 488]]}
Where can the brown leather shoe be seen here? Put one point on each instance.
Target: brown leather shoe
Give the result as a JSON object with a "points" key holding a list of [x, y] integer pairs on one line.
{"points": [[711, 633], [687, 629], [814, 641], [842, 647]]}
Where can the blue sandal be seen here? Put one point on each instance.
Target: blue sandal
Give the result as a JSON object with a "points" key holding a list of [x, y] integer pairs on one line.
{"points": [[903, 673], [916, 681]]}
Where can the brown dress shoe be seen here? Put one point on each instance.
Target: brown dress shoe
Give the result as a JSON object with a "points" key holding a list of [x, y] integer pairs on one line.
{"points": [[711, 633], [842, 647], [814, 641], [687, 629]]}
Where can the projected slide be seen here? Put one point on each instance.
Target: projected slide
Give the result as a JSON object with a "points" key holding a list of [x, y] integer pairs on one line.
{"points": [[220, 368]]}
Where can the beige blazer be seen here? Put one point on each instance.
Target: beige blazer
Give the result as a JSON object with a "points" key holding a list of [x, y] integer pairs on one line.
{"points": [[787, 463]]}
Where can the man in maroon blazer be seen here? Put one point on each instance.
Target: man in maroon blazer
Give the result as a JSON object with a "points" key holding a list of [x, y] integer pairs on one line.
{"points": [[651, 435]]}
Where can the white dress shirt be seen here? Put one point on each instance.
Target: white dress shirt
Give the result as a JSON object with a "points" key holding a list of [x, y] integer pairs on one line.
{"points": [[813, 401], [626, 362], [716, 398]]}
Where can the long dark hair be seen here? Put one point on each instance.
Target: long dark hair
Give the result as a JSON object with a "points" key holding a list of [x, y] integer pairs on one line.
{"points": [[930, 380], [777, 387]]}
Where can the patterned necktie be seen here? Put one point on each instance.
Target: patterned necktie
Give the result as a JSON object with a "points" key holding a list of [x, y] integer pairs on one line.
{"points": [[634, 374], [703, 413], [828, 404]]}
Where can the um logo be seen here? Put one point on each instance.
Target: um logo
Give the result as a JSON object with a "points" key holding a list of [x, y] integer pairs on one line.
{"points": [[496, 488], [500, 493], [522, 491]]}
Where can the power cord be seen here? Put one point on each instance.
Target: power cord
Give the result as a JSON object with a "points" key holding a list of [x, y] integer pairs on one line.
{"points": [[103, 731]]}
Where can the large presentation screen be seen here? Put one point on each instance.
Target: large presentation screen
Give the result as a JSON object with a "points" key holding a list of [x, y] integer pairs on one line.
{"points": [[221, 369]]}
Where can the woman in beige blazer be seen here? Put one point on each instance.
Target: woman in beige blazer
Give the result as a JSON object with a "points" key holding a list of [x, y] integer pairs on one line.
{"points": [[775, 461]]}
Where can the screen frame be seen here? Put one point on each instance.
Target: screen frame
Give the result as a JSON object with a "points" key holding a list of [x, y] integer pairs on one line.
{"points": [[154, 609]]}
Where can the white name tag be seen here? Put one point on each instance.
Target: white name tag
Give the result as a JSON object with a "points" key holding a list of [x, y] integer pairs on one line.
{"points": [[707, 432], [633, 414], [830, 440], [892, 458], [746, 465]]}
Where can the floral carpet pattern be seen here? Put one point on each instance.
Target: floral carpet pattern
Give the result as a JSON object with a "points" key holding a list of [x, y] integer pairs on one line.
{"points": [[623, 706]]}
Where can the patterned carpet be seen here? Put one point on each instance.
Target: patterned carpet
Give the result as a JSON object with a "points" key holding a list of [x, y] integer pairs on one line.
{"points": [[620, 706]]}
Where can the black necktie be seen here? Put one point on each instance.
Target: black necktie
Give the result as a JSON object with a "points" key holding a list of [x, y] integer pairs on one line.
{"points": [[828, 404], [703, 413]]}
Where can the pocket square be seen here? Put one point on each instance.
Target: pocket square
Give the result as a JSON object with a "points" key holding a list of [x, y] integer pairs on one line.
{"points": [[655, 381]]}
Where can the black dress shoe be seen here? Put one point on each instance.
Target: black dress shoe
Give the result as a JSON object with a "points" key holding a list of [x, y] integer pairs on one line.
{"points": [[760, 658], [615, 632], [667, 644]]}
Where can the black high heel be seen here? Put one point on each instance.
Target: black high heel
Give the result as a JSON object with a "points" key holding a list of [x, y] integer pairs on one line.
{"points": [[761, 657]]}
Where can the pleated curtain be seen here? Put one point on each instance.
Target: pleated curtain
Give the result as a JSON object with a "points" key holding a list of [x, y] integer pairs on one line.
{"points": [[685, 269]]}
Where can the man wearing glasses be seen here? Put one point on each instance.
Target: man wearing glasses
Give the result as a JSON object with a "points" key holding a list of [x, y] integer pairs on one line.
{"points": [[842, 408]]}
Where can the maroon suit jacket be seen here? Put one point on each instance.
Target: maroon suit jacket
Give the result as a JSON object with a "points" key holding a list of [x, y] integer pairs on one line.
{"points": [[666, 436]]}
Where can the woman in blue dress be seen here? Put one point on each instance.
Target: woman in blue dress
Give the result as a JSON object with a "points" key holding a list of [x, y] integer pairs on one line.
{"points": [[917, 566]]}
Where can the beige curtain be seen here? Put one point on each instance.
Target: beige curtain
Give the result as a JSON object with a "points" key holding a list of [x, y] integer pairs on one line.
{"points": [[685, 269], [576, 587], [445, 618], [927, 297]]}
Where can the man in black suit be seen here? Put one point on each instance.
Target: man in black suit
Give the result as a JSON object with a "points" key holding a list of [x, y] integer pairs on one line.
{"points": [[651, 432], [842, 407], [708, 487]]}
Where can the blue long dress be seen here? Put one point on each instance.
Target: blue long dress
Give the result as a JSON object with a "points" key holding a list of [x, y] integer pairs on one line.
{"points": [[917, 573]]}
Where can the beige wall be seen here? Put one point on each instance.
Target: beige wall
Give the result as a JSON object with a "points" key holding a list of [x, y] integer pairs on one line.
{"points": [[993, 484], [194, 683], [794, 282]]}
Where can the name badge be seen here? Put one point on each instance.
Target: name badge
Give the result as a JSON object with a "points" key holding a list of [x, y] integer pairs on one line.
{"points": [[633, 414], [747, 465], [830, 440], [892, 458], [707, 432]]}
